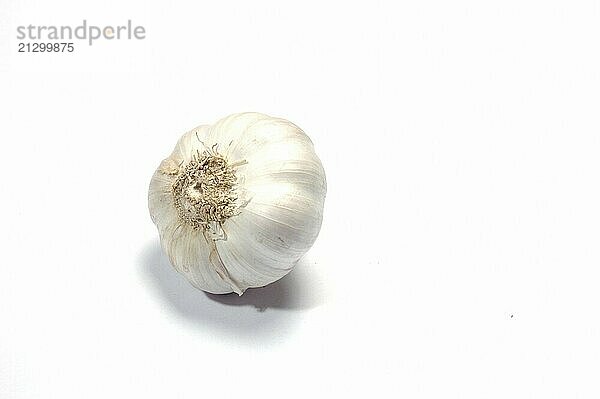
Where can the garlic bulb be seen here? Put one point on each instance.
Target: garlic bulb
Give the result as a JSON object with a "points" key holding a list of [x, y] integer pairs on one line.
{"points": [[238, 203]]}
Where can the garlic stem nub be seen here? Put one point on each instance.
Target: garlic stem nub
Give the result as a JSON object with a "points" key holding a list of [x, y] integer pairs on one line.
{"points": [[205, 190]]}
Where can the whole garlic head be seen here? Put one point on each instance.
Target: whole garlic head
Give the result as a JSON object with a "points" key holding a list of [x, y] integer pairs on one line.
{"points": [[238, 203]]}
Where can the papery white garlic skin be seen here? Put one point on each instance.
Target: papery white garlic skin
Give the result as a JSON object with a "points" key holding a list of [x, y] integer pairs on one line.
{"points": [[279, 194]]}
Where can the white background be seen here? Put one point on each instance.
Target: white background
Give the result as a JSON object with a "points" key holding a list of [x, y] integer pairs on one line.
{"points": [[459, 251]]}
